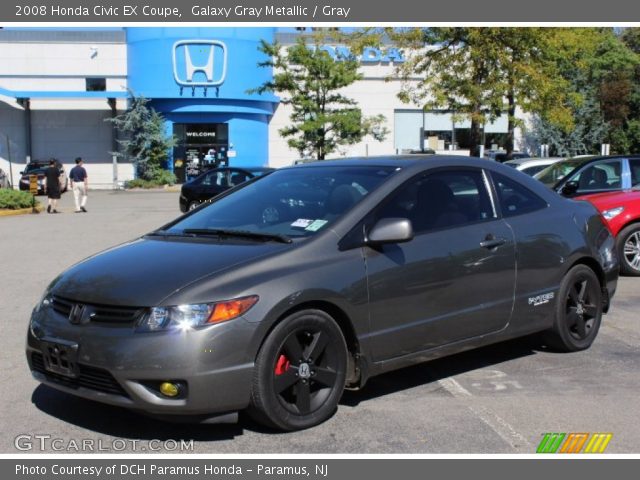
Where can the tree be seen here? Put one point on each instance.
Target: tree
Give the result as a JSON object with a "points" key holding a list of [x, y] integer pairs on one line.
{"points": [[600, 71], [322, 119], [146, 144], [477, 73]]}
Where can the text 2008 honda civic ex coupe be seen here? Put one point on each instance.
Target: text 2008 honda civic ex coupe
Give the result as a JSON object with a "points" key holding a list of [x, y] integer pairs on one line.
{"points": [[281, 292]]}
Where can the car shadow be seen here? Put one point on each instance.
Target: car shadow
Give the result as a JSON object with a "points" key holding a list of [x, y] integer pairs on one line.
{"points": [[432, 371], [124, 423]]}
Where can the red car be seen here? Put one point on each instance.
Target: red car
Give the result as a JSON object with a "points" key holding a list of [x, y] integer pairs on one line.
{"points": [[622, 212]]}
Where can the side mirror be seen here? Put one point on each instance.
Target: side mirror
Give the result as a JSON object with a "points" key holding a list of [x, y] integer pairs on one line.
{"points": [[22, 172], [390, 230], [569, 189]]}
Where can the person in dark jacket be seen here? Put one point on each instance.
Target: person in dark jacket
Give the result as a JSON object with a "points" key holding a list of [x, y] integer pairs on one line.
{"points": [[52, 179], [79, 185]]}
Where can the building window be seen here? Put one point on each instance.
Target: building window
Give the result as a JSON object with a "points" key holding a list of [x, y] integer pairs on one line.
{"points": [[96, 84]]}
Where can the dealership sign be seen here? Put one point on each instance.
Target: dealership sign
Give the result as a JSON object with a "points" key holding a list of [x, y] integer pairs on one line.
{"points": [[369, 55]]}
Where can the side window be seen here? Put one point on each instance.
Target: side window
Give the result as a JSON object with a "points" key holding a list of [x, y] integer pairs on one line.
{"points": [[601, 176], [442, 199], [531, 171], [209, 179], [514, 198], [634, 163]]}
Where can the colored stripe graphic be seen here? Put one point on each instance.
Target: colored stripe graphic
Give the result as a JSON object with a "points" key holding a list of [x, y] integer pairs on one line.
{"points": [[598, 443], [550, 442], [574, 442]]}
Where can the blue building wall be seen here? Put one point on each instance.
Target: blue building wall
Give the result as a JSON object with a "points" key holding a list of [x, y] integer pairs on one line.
{"points": [[160, 74]]}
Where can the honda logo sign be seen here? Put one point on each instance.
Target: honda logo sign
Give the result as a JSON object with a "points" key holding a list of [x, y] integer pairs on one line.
{"points": [[196, 63]]}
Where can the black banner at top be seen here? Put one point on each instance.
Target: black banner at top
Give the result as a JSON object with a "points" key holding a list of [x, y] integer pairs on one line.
{"points": [[316, 11]]}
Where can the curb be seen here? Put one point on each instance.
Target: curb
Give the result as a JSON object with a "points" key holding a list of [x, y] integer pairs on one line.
{"points": [[21, 211]]}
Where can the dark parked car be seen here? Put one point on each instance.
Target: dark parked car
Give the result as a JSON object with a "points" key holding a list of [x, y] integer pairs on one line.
{"points": [[213, 182], [39, 167], [285, 290], [501, 155], [589, 175]]}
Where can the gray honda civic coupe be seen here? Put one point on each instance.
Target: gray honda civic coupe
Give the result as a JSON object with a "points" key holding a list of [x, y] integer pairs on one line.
{"points": [[283, 291]]}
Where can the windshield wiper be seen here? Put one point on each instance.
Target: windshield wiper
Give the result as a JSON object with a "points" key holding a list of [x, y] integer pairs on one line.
{"points": [[224, 232]]}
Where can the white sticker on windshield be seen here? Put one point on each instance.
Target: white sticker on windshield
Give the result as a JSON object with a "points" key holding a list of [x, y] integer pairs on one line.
{"points": [[316, 225], [302, 223]]}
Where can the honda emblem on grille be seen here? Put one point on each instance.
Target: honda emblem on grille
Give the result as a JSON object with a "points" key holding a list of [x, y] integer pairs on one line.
{"points": [[77, 313]]}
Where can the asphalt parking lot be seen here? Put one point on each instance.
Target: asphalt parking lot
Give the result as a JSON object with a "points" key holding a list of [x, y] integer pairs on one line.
{"points": [[499, 399]]}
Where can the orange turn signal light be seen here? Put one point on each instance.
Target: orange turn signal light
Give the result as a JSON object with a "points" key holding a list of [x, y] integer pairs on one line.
{"points": [[230, 309]]}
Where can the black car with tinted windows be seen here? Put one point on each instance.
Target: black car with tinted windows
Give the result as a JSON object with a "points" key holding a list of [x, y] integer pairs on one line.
{"points": [[280, 293], [215, 181]]}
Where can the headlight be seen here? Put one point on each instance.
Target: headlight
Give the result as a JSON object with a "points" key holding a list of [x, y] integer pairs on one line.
{"points": [[186, 317], [612, 213]]}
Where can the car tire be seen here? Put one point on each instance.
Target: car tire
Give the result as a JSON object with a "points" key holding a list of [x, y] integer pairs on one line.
{"points": [[578, 311], [292, 390], [193, 206], [628, 246]]}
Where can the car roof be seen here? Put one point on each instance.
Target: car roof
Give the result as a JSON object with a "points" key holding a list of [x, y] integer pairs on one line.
{"points": [[404, 161], [532, 160]]}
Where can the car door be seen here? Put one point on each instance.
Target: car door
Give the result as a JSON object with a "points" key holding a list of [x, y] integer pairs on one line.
{"points": [[455, 279], [601, 176]]}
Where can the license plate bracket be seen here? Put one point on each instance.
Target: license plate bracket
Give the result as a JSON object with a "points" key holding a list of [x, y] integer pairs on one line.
{"points": [[60, 357]]}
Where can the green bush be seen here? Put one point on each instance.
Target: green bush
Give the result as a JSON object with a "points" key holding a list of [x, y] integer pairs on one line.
{"points": [[14, 199], [159, 178], [164, 177], [140, 183]]}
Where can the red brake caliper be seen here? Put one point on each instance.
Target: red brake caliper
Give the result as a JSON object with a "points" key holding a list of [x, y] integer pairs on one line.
{"points": [[282, 365]]}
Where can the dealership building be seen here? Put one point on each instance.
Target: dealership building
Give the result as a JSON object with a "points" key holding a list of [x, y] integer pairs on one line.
{"points": [[60, 87]]}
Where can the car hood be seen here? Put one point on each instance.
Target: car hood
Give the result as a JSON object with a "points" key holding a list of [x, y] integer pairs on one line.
{"points": [[144, 272], [607, 200]]}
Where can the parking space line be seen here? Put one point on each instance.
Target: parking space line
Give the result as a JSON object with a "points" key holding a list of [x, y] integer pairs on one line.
{"points": [[499, 425]]}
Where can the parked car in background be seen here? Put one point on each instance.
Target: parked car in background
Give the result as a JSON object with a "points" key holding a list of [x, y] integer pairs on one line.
{"points": [[587, 175], [213, 182], [621, 210], [39, 167], [501, 155], [531, 166], [279, 294]]}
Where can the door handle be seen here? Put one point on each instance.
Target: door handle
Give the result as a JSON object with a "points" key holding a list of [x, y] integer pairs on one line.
{"points": [[492, 242]]}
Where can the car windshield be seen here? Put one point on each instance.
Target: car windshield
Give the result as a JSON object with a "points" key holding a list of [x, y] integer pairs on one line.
{"points": [[556, 172], [289, 203]]}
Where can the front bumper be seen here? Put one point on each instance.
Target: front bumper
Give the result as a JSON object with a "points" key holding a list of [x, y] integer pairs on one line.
{"points": [[117, 366]]}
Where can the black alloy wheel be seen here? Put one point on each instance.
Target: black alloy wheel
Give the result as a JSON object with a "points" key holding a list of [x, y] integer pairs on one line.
{"points": [[300, 372], [578, 310]]}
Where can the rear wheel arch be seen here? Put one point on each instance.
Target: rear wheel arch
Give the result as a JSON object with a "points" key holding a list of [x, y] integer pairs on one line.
{"points": [[593, 265]]}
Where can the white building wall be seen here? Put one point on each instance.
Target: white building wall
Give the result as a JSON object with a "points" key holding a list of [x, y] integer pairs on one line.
{"points": [[64, 128]]}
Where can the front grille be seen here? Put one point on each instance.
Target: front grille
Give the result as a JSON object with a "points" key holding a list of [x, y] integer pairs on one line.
{"points": [[90, 377], [99, 313], [63, 307]]}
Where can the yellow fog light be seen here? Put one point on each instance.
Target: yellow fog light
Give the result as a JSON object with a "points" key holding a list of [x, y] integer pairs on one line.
{"points": [[169, 389]]}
